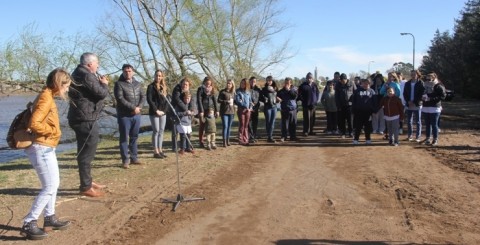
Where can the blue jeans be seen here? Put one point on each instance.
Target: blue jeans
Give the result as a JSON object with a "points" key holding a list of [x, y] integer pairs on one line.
{"points": [[270, 115], [227, 120], [418, 121], [184, 143], [431, 124], [128, 128], [44, 161], [158, 127]]}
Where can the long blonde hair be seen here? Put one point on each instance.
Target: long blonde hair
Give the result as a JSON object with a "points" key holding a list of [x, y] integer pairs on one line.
{"points": [[56, 79], [395, 77], [233, 86], [161, 85]]}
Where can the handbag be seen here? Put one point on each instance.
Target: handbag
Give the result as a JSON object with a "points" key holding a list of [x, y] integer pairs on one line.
{"points": [[23, 139], [19, 136]]}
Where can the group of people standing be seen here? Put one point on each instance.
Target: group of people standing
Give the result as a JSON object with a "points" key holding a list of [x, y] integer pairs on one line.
{"points": [[249, 97], [374, 105]]}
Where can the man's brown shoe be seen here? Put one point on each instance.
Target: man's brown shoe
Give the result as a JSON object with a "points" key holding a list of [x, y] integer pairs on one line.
{"points": [[137, 162], [92, 193], [98, 186]]}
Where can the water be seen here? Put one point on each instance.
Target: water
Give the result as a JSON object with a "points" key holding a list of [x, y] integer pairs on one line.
{"points": [[10, 106]]}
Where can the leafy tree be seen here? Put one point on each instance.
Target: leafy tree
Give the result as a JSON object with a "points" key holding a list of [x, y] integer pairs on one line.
{"points": [[403, 68], [467, 39], [456, 58], [442, 58], [31, 56]]}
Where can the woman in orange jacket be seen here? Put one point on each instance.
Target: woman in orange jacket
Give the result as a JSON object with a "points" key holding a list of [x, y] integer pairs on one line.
{"points": [[45, 127]]}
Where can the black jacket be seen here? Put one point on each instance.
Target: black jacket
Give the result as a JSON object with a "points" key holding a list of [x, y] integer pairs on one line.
{"points": [[419, 90], [86, 96], [177, 101], [205, 101], [255, 93], [343, 94], [364, 101], [436, 96], [269, 97], [308, 94], [156, 101], [289, 98], [128, 96]]}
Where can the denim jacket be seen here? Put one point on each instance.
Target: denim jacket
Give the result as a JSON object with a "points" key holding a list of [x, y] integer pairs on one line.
{"points": [[243, 99]]}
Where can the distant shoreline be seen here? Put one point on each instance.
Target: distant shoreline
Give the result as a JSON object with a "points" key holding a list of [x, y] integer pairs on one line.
{"points": [[17, 93]]}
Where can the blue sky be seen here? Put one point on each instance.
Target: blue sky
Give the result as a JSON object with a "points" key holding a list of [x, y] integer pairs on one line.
{"points": [[332, 35]]}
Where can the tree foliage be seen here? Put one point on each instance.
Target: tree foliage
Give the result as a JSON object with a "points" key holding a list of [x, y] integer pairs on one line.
{"points": [[456, 57], [216, 38], [32, 55]]}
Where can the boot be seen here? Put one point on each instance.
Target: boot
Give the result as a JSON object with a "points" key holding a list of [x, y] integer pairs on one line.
{"points": [[32, 232], [228, 142], [224, 143], [52, 223]]}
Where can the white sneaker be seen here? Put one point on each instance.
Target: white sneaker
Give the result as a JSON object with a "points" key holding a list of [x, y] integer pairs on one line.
{"points": [[355, 142], [368, 142]]}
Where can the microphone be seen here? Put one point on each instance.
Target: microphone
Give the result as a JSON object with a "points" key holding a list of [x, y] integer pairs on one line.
{"points": [[99, 76]]}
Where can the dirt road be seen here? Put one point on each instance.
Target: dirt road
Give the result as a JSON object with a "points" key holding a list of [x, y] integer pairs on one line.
{"points": [[321, 190], [335, 193]]}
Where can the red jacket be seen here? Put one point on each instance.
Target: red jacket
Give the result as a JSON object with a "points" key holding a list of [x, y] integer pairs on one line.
{"points": [[392, 106]]}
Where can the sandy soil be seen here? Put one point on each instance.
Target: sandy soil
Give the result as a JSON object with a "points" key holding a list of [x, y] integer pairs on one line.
{"points": [[320, 190]]}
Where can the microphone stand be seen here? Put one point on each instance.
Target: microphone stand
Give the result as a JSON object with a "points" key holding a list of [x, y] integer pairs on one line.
{"points": [[180, 198]]}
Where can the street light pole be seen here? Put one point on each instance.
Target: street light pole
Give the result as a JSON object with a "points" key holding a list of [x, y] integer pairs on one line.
{"points": [[369, 66], [406, 33]]}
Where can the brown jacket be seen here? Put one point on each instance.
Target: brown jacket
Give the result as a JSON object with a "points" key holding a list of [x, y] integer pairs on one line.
{"points": [[392, 106], [44, 122]]}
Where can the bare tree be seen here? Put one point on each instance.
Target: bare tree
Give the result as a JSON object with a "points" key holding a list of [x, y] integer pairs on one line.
{"points": [[186, 37]]}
